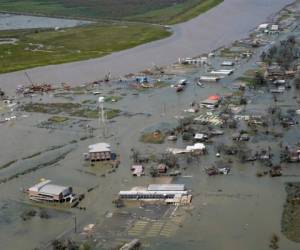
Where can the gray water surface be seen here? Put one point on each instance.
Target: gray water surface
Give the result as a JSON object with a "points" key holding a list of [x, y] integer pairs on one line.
{"points": [[12, 22]]}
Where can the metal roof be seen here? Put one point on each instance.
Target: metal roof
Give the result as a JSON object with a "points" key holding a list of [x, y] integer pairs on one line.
{"points": [[99, 147], [45, 187], [53, 189], [166, 187]]}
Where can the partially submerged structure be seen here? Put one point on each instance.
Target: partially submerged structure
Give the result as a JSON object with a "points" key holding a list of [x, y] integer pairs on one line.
{"points": [[45, 191], [137, 170], [99, 152], [169, 193]]}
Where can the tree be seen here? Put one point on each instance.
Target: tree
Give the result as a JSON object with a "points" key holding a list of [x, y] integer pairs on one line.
{"points": [[259, 79], [135, 155]]}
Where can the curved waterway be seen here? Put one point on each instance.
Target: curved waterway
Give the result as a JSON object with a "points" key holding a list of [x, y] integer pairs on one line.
{"points": [[229, 21]]}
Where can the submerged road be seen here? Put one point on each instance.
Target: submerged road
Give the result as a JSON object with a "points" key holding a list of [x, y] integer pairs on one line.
{"points": [[229, 21]]}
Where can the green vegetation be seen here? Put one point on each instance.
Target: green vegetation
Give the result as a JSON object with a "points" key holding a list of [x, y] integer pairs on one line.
{"points": [[72, 109], [112, 98], [58, 119], [226, 52], [253, 77], [177, 13], [44, 47], [157, 11], [41, 47], [290, 222], [156, 137], [283, 54]]}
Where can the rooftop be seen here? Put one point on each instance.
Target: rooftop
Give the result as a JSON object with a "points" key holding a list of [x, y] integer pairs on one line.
{"points": [[46, 188], [166, 187], [99, 147]]}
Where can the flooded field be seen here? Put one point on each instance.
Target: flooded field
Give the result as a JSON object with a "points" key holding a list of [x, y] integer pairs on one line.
{"points": [[12, 22], [43, 137]]}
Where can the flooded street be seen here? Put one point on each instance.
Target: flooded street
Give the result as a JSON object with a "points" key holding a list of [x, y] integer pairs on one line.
{"points": [[240, 210], [229, 21]]}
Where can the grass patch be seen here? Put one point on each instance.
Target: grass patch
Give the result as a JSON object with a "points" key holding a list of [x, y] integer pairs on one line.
{"points": [[93, 102], [72, 109], [58, 119], [228, 53], [290, 223], [51, 108], [177, 13], [156, 137], [158, 11], [44, 47], [112, 98]]}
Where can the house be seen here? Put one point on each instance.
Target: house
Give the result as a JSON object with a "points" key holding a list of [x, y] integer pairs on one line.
{"points": [[141, 79], [222, 72], [200, 137], [99, 152], [209, 103], [227, 63], [202, 60], [293, 157], [263, 26], [162, 168], [137, 170], [46, 191], [196, 148], [209, 78]]}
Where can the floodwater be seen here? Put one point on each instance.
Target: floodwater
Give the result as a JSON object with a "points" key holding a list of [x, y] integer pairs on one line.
{"points": [[229, 21], [12, 22], [238, 211]]}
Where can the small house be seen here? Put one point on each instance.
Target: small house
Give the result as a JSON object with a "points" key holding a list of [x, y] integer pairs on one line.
{"points": [[162, 168], [200, 137], [137, 170], [227, 63]]}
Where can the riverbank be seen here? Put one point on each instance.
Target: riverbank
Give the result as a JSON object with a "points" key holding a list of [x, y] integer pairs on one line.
{"points": [[202, 34], [39, 47]]}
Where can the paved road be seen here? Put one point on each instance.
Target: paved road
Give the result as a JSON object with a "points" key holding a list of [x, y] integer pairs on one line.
{"points": [[229, 21]]}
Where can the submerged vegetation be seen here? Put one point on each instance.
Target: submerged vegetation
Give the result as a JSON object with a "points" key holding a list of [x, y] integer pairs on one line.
{"points": [[71, 109], [156, 137], [290, 223]]}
